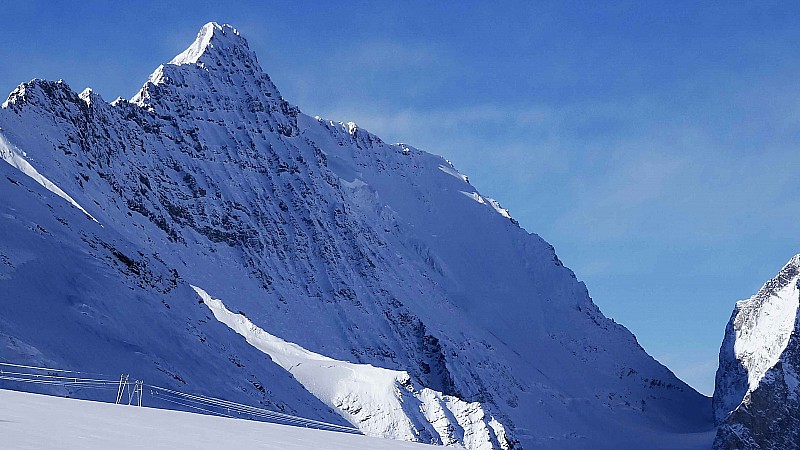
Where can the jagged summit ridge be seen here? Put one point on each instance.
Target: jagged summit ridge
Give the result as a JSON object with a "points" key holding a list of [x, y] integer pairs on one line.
{"points": [[219, 61], [786, 275], [213, 40]]}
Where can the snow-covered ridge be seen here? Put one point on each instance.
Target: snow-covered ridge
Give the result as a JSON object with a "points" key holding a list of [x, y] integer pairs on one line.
{"points": [[380, 402], [448, 169], [220, 65], [765, 321], [500, 210], [16, 158], [212, 37], [757, 392]]}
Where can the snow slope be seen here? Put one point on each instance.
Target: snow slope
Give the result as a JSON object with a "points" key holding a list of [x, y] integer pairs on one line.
{"points": [[319, 234], [17, 159], [32, 421], [74, 294], [382, 402], [756, 398]]}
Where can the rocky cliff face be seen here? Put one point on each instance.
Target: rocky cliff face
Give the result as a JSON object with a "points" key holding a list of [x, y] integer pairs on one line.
{"points": [[756, 400], [321, 238]]}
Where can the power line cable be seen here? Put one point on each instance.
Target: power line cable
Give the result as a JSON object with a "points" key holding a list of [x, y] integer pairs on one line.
{"points": [[193, 401]]}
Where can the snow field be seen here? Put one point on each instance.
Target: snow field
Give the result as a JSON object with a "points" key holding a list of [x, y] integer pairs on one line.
{"points": [[34, 421]]}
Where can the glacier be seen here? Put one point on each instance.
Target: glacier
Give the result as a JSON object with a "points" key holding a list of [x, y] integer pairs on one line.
{"points": [[318, 234]]}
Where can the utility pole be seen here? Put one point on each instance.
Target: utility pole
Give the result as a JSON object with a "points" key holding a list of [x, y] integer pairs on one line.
{"points": [[138, 386], [123, 386]]}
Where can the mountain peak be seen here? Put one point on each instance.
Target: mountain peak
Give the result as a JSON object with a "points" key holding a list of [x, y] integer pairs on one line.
{"points": [[788, 274], [212, 44], [218, 64]]}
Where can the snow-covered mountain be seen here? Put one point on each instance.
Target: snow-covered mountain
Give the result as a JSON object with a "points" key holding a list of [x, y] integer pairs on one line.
{"points": [[208, 236], [756, 399]]}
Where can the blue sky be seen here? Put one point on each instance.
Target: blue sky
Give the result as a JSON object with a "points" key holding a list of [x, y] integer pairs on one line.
{"points": [[654, 144]]}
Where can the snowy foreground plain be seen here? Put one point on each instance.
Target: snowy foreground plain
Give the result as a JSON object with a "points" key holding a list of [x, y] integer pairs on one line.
{"points": [[34, 421]]}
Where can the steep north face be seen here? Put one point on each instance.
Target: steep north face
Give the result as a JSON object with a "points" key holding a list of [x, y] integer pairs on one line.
{"points": [[308, 235]]}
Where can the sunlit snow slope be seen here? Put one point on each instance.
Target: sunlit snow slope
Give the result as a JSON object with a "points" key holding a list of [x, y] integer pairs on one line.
{"points": [[382, 402], [757, 393], [319, 234]]}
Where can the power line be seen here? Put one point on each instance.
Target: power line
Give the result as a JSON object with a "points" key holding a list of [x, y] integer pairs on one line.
{"points": [[255, 411], [37, 368], [135, 390], [205, 411], [49, 376], [48, 369]]}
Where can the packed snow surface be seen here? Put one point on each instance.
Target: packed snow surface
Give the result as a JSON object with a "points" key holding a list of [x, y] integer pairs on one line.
{"points": [[33, 421]]}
